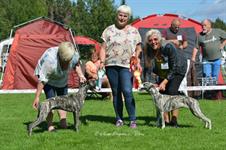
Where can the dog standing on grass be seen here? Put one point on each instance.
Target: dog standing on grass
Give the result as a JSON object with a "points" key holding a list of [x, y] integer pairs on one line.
{"points": [[166, 103], [71, 103]]}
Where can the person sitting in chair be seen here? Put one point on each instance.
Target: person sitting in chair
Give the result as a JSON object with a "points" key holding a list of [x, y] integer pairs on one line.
{"points": [[93, 71]]}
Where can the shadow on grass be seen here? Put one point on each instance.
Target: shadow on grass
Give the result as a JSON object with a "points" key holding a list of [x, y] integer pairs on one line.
{"points": [[39, 129], [148, 121], [111, 120], [42, 127], [106, 119]]}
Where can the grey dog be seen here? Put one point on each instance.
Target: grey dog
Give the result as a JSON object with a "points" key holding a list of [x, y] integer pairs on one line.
{"points": [[166, 103], [71, 103]]}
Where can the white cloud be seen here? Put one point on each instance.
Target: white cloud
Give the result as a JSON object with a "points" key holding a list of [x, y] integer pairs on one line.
{"points": [[213, 10], [219, 1]]}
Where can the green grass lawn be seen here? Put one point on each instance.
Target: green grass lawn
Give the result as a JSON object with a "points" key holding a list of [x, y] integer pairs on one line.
{"points": [[97, 130]]}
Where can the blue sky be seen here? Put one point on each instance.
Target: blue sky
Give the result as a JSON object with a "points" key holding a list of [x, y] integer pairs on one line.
{"points": [[195, 9]]}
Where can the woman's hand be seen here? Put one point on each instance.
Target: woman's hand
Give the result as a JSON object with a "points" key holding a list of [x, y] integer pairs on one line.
{"points": [[162, 85], [82, 79], [35, 103]]}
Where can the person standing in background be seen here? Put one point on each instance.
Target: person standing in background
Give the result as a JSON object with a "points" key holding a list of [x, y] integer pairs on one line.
{"points": [[120, 42], [175, 35], [211, 41]]}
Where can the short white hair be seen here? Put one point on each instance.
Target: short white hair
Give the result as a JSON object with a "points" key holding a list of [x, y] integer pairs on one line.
{"points": [[66, 51], [151, 33], [125, 9]]}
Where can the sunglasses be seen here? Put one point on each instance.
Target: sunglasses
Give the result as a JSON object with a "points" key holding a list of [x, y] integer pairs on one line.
{"points": [[154, 39]]}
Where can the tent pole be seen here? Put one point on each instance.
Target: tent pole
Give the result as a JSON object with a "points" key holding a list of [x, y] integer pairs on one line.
{"points": [[27, 22], [73, 40], [76, 46]]}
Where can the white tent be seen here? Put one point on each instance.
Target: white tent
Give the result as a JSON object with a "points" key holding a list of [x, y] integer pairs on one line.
{"points": [[4, 46]]}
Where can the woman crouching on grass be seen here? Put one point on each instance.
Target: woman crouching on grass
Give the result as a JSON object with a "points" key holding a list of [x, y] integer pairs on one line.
{"points": [[169, 65]]}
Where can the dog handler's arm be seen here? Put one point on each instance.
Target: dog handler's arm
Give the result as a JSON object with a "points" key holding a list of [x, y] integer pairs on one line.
{"points": [[194, 53], [40, 86], [102, 54], [80, 74], [138, 51]]}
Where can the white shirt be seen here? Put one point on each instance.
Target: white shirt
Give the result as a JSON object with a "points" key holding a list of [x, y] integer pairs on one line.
{"points": [[48, 69]]}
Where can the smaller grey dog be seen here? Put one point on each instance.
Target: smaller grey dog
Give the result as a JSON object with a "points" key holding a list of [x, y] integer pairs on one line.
{"points": [[166, 103], [71, 103]]}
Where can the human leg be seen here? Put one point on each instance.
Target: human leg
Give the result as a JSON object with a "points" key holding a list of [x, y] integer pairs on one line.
{"points": [[106, 84], [206, 69], [216, 68], [166, 117], [113, 77], [126, 84]]}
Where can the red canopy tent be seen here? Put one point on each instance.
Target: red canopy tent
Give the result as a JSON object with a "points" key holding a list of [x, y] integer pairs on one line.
{"points": [[81, 40], [84, 40], [30, 41], [164, 21]]}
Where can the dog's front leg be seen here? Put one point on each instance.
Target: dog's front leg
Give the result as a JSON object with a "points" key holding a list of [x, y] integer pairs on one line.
{"points": [[76, 115], [163, 120], [158, 115], [42, 115]]}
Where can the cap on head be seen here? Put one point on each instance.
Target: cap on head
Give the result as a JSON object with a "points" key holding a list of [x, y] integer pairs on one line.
{"points": [[66, 51]]}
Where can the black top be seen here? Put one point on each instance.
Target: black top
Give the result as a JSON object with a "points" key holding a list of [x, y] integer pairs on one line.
{"points": [[177, 63]]}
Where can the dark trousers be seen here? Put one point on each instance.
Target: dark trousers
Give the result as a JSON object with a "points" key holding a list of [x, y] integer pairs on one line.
{"points": [[51, 91], [120, 80], [173, 85]]}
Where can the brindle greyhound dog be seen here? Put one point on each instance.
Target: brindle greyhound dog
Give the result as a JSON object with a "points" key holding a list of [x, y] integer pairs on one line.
{"points": [[166, 103], [71, 103]]}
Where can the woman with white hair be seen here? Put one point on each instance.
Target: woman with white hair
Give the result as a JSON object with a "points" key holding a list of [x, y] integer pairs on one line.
{"points": [[168, 64], [121, 41], [52, 72]]}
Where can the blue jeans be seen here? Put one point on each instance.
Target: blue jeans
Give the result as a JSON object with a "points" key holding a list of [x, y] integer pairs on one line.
{"points": [[120, 79], [51, 91], [211, 68]]}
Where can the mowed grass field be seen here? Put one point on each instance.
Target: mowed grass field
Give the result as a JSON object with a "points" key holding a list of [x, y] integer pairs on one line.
{"points": [[98, 132]]}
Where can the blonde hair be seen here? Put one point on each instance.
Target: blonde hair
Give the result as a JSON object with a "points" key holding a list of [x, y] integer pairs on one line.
{"points": [[66, 51], [148, 58], [151, 33], [124, 9]]}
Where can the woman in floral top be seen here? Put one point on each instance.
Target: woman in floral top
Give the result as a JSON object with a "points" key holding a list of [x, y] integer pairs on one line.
{"points": [[121, 42]]}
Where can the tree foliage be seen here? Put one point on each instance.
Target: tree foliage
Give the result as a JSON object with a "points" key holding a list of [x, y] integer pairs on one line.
{"points": [[59, 10], [219, 24], [14, 12]]}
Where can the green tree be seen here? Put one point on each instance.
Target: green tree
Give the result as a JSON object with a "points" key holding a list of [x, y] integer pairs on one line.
{"points": [[79, 18], [14, 12], [219, 24], [91, 17], [103, 14], [59, 10]]}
